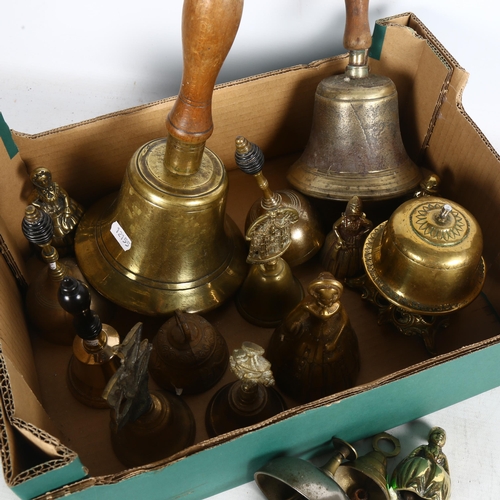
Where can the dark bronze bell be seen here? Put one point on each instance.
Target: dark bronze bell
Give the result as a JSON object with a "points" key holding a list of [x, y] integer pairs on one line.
{"points": [[165, 243], [189, 355], [355, 146]]}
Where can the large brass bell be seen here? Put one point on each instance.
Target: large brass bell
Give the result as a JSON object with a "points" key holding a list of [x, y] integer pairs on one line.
{"points": [[355, 145], [165, 242]]}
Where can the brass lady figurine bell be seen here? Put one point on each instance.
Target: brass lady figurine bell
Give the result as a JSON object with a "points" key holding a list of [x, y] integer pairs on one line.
{"points": [[307, 235], [247, 401], [315, 352], [189, 355], [270, 290]]}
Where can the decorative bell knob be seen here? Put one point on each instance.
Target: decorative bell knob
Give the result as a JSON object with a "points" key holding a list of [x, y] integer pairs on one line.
{"points": [[145, 426], [249, 400], [307, 235], [94, 360]]}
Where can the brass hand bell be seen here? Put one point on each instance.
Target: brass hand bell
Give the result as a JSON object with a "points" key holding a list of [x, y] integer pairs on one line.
{"points": [[165, 243], [307, 235], [355, 145], [94, 360]]}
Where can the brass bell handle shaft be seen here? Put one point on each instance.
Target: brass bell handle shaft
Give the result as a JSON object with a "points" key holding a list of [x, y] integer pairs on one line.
{"points": [[208, 31], [357, 34]]}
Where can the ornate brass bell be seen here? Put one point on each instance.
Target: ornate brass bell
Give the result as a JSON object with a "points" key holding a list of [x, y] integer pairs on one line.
{"points": [[355, 145], [165, 242], [366, 476], [270, 290], [307, 235], [94, 360], [249, 400], [292, 478], [52, 322], [145, 426], [426, 260], [189, 355]]}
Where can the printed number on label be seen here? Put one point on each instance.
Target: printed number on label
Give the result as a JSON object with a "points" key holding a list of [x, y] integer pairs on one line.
{"points": [[121, 236]]}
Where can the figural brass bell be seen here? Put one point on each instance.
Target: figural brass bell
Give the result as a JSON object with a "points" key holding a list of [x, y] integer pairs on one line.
{"points": [[165, 243], [355, 146]]}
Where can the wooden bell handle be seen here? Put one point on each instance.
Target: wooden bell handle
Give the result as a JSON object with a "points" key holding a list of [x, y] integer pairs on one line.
{"points": [[208, 31], [357, 34]]}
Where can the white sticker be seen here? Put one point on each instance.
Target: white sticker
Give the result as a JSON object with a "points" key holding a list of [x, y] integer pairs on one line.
{"points": [[121, 236]]}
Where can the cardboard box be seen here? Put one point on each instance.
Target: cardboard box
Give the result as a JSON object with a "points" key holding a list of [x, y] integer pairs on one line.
{"points": [[52, 446]]}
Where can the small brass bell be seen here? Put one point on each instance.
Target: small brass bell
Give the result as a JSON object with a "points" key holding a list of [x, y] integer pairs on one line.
{"points": [[270, 290], [248, 401], [426, 261], [145, 426], [94, 360], [366, 476], [189, 355], [342, 252], [355, 145], [65, 212], [52, 322], [165, 242], [315, 352], [307, 235], [424, 474], [429, 186], [292, 478]]}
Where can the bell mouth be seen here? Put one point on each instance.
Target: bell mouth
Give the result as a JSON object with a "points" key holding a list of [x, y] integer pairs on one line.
{"points": [[414, 286]]}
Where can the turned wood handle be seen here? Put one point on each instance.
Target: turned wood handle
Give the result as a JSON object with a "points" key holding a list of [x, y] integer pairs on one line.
{"points": [[208, 31], [357, 34]]}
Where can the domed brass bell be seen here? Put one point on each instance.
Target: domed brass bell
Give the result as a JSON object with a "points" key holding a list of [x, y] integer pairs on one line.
{"points": [[292, 478], [307, 235], [189, 355], [249, 400], [270, 290], [355, 145], [51, 321], [426, 262], [165, 243], [366, 476]]}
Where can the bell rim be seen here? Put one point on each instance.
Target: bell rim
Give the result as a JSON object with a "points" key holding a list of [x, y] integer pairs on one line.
{"points": [[371, 250]]}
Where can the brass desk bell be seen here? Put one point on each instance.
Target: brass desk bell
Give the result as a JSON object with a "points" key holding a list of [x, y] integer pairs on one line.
{"points": [[315, 352], [270, 290], [295, 479], [145, 426], [424, 474], [42, 304], [355, 145], [307, 235], [426, 263], [189, 355], [165, 243], [249, 400], [94, 360]]}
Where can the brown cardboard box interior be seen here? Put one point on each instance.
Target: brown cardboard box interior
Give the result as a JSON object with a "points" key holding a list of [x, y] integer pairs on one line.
{"points": [[274, 111]]}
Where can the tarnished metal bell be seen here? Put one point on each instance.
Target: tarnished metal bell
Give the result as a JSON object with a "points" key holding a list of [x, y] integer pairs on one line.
{"points": [[165, 243], [427, 258], [355, 146]]}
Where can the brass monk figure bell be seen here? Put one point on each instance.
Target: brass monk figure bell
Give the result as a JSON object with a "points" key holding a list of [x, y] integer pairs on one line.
{"points": [[315, 352], [165, 243]]}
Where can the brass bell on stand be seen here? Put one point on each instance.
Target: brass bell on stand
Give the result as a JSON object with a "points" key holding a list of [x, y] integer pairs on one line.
{"points": [[293, 478], [270, 290], [307, 236], [366, 476], [145, 426], [315, 351], [426, 263], [52, 322], [355, 145], [189, 355], [165, 243], [249, 400], [94, 360]]}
